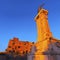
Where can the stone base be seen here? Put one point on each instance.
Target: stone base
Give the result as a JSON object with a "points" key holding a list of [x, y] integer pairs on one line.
{"points": [[41, 57]]}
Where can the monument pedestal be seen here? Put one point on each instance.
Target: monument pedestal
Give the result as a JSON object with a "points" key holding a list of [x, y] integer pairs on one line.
{"points": [[40, 48], [41, 57]]}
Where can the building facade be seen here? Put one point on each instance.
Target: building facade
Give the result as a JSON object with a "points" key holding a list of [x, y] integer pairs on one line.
{"points": [[19, 47]]}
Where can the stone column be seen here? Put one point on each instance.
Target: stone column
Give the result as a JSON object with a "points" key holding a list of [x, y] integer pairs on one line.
{"points": [[43, 35]]}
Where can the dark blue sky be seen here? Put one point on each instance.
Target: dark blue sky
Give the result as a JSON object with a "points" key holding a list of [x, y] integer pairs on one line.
{"points": [[17, 19]]}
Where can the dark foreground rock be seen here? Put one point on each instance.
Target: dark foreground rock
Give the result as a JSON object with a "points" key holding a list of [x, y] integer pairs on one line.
{"points": [[10, 57]]}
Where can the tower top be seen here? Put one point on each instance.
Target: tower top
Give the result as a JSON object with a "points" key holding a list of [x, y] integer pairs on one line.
{"points": [[41, 6], [40, 11]]}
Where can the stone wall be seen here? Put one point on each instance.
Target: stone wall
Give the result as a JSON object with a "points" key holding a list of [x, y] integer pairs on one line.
{"points": [[20, 47]]}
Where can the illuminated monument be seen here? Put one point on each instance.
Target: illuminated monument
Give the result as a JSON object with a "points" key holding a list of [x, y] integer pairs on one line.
{"points": [[45, 42], [42, 25], [44, 33]]}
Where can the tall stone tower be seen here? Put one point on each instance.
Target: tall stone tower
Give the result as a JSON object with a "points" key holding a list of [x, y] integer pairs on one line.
{"points": [[43, 34]]}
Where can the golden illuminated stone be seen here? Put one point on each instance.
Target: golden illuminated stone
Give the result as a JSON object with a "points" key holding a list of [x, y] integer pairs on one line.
{"points": [[43, 34]]}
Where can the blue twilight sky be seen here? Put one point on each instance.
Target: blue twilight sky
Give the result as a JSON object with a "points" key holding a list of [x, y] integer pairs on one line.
{"points": [[17, 19]]}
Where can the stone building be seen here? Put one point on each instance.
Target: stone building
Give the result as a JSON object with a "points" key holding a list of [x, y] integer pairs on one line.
{"points": [[19, 47]]}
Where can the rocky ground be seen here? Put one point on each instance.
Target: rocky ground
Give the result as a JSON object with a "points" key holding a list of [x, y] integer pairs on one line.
{"points": [[10, 57]]}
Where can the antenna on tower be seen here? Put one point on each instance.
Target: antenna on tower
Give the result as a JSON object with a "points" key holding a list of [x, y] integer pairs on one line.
{"points": [[41, 6]]}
